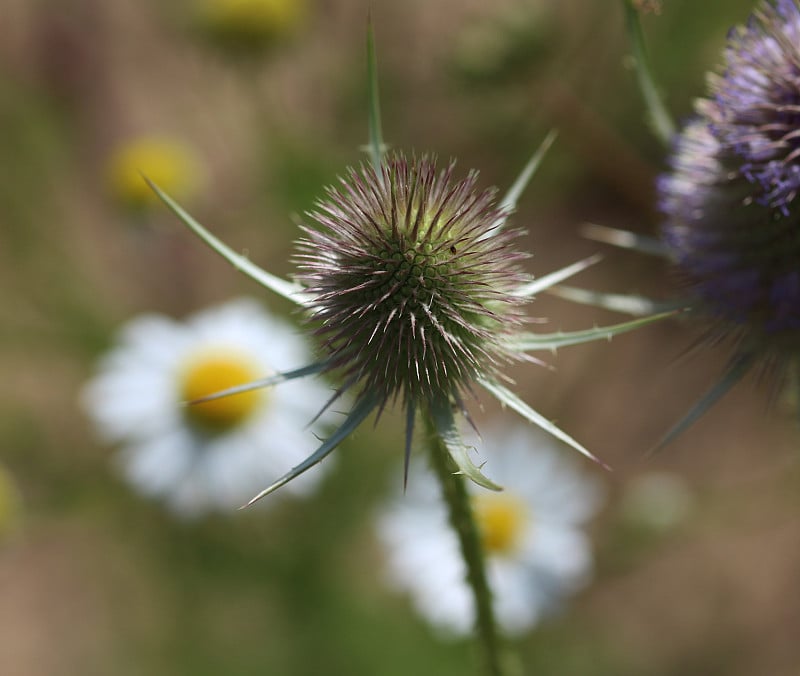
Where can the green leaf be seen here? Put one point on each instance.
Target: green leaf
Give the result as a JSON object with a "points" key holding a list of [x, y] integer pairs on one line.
{"points": [[447, 428], [275, 379], [659, 118], [288, 290], [508, 398], [515, 191], [628, 304], [410, 416], [733, 374], [532, 342], [360, 411], [376, 145], [624, 239], [555, 277]]}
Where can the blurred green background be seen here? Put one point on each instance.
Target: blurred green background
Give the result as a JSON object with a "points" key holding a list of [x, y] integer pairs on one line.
{"points": [[97, 580]]}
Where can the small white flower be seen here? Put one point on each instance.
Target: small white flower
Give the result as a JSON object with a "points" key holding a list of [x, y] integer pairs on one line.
{"points": [[217, 454], [536, 549]]}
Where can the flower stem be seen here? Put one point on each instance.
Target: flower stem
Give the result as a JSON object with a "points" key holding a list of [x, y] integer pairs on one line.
{"points": [[463, 522], [659, 117]]}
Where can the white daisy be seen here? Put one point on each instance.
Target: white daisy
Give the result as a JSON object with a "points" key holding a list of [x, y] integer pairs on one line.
{"points": [[217, 454], [536, 549]]}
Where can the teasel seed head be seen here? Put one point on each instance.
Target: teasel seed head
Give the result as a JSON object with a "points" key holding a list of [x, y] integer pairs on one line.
{"points": [[410, 275]]}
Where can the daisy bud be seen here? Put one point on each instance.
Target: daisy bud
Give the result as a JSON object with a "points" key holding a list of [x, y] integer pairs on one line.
{"points": [[248, 27], [410, 278], [731, 198]]}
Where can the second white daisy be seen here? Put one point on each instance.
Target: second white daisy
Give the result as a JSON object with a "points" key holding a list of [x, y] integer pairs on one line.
{"points": [[217, 454], [536, 550]]}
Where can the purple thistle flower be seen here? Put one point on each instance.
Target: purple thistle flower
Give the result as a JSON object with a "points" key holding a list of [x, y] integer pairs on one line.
{"points": [[410, 279], [731, 199]]}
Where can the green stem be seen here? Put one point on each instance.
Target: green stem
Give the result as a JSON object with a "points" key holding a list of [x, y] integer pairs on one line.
{"points": [[463, 522], [659, 118]]}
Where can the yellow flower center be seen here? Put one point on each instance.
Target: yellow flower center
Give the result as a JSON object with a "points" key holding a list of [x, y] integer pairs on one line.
{"points": [[213, 372], [501, 521]]}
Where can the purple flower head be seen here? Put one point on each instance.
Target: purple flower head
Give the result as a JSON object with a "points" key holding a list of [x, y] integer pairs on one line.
{"points": [[731, 198], [410, 279]]}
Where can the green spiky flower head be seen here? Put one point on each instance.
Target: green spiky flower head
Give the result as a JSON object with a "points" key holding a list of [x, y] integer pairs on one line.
{"points": [[410, 278]]}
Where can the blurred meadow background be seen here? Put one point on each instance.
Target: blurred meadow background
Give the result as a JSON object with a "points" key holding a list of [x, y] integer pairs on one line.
{"points": [[700, 579]]}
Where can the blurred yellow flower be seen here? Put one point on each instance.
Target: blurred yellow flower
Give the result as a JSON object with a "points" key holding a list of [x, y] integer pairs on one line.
{"points": [[167, 162], [250, 24]]}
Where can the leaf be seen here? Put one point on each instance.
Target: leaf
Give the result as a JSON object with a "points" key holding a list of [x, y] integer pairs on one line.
{"points": [[269, 381], [508, 398], [733, 374], [624, 239], [659, 118], [376, 145], [555, 277], [446, 427], [531, 342], [288, 290], [628, 304], [515, 191], [410, 415], [360, 411]]}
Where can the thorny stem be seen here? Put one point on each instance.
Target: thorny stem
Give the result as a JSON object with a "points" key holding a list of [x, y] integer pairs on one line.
{"points": [[463, 522]]}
